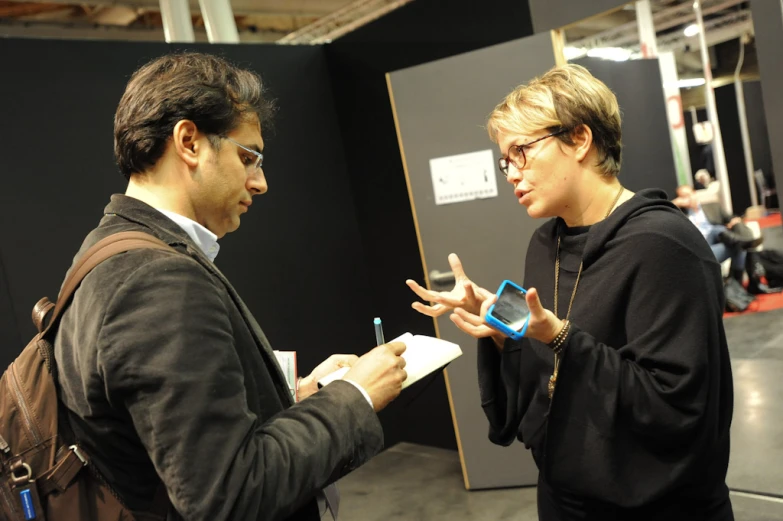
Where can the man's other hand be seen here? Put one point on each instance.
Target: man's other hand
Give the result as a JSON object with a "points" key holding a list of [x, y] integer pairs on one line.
{"points": [[309, 385]]}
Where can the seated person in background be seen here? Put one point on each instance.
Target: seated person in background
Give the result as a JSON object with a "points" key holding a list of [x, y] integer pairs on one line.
{"points": [[725, 234]]}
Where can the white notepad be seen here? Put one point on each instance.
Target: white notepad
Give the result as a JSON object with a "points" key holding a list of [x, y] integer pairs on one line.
{"points": [[423, 355]]}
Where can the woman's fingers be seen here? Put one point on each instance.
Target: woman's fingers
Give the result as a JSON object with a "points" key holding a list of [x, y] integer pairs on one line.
{"points": [[471, 329], [486, 305], [431, 311], [453, 298], [468, 317], [420, 291], [544, 325], [456, 266], [534, 304], [470, 294]]}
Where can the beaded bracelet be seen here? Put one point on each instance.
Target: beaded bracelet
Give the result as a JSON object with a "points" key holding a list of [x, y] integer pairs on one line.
{"points": [[557, 344], [559, 334]]}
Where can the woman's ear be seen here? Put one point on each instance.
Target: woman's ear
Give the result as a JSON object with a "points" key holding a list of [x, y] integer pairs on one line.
{"points": [[582, 137]]}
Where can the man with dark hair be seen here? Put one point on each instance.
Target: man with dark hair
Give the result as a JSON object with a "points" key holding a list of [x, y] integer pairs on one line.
{"points": [[166, 377]]}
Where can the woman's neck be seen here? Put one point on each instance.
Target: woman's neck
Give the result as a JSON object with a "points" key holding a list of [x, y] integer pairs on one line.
{"points": [[594, 202]]}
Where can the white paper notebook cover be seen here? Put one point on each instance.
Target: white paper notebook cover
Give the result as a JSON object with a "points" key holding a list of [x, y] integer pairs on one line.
{"points": [[423, 355]]}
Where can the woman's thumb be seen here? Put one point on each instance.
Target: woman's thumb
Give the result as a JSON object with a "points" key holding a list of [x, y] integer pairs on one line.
{"points": [[533, 302]]}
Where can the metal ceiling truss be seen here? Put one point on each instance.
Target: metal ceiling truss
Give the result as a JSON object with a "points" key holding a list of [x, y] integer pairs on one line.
{"points": [[717, 30], [628, 34], [342, 21]]}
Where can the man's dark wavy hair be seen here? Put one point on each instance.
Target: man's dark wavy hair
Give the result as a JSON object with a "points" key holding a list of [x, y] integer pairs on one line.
{"points": [[205, 89]]}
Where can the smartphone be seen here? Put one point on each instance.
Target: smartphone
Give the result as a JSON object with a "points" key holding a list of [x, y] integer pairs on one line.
{"points": [[509, 314]]}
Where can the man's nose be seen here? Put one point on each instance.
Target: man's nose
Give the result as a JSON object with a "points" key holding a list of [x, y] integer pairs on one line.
{"points": [[256, 183]]}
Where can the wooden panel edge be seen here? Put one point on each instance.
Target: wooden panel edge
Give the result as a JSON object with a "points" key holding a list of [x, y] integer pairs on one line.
{"points": [[558, 46], [456, 431]]}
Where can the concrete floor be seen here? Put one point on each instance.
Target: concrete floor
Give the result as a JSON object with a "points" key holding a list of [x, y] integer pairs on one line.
{"points": [[412, 482], [416, 483]]}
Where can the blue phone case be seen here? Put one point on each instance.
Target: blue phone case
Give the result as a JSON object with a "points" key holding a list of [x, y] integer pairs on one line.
{"points": [[498, 324]]}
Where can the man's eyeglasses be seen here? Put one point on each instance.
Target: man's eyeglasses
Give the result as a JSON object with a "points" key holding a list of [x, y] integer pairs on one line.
{"points": [[516, 153], [252, 165]]}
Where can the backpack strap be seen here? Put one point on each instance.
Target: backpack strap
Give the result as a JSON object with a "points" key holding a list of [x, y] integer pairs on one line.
{"points": [[66, 470], [99, 252], [41, 309], [60, 477]]}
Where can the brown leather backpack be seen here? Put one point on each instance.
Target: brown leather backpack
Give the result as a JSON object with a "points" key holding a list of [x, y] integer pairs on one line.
{"points": [[45, 474]]}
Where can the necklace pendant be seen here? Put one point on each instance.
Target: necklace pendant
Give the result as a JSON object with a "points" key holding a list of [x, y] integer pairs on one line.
{"points": [[551, 385]]}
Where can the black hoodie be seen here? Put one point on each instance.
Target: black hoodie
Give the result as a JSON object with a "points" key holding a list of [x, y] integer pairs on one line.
{"points": [[644, 398]]}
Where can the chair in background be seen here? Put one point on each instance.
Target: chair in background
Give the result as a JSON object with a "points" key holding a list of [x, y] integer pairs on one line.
{"points": [[765, 192]]}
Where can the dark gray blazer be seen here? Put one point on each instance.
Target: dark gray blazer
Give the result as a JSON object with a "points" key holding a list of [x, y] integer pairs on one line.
{"points": [[168, 377]]}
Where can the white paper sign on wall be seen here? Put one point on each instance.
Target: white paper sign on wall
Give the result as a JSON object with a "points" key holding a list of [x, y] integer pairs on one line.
{"points": [[464, 177]]}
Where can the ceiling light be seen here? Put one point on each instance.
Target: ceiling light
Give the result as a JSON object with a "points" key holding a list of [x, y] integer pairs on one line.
{"points": [[572, 53], [617, 54], [691, 30]]}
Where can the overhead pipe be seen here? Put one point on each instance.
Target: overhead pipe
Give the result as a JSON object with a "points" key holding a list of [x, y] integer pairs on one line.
{"points": [[721, 170], [743, 122], [177, 23], [219, 21]]}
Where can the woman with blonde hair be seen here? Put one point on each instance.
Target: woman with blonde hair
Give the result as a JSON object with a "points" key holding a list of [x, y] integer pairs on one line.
{"points": [[622, 386]]}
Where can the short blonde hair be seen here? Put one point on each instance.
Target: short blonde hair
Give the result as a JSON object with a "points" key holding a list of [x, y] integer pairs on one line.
{"points": [[564, 98]]}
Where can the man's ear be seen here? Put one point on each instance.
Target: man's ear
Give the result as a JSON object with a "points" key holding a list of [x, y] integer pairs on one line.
{"points": [[582, 136], [185, 142]]}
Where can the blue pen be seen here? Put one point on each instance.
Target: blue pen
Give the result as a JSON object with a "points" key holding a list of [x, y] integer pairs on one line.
{"points": [[378, 331]]}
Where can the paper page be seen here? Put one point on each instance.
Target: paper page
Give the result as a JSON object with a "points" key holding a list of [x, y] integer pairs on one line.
{"points": [[423, 356]]}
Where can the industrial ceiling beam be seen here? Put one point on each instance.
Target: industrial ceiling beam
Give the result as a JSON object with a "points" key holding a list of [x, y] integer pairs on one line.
{"points": [[342, 21], [717, 30], [317, 8], [664, 19], [16, 10]]}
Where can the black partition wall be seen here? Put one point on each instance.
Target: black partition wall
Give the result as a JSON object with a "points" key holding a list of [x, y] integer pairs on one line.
{"points": [[327, 249], [768, 31], [648, 161], [296, 258], [757, 130], [728, 115]]}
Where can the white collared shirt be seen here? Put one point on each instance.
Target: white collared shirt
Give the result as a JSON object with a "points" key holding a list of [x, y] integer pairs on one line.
{"points": [[204, 239], [699, 218]]}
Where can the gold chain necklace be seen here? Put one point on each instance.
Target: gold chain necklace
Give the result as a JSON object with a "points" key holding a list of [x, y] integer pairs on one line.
{"points": [[553, 377]]}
